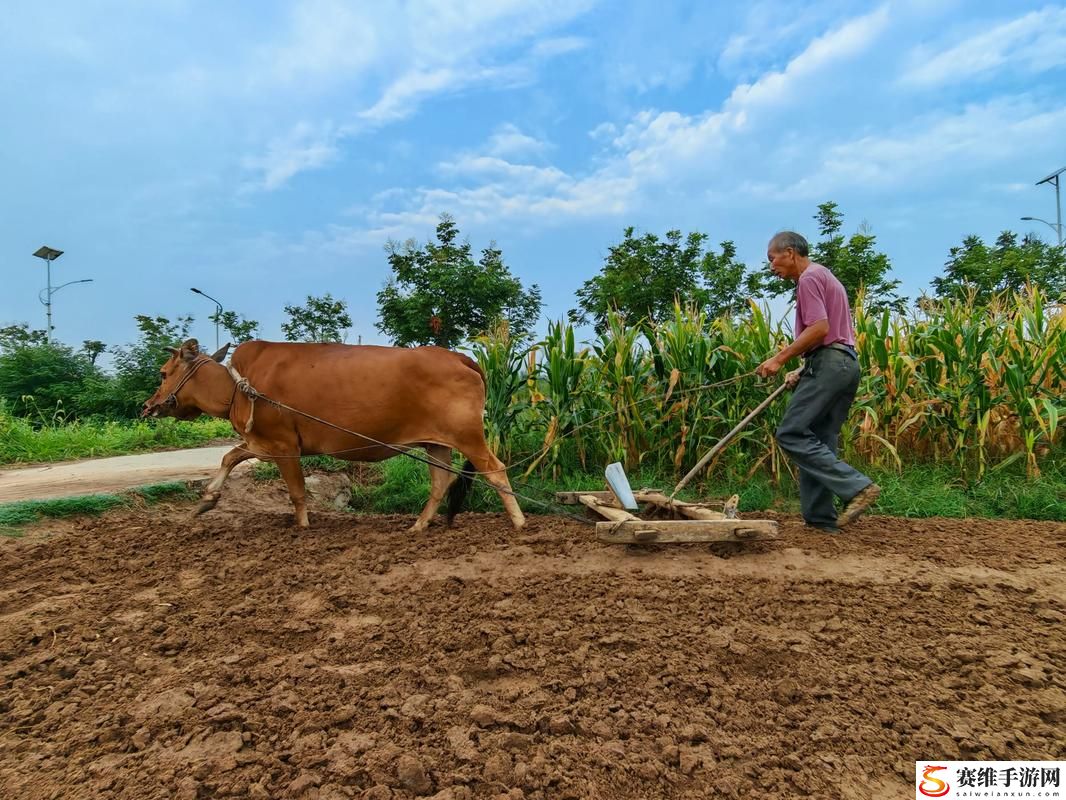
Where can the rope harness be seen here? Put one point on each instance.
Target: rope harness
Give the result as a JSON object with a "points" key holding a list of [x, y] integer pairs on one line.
{"points": [[172, 398]]}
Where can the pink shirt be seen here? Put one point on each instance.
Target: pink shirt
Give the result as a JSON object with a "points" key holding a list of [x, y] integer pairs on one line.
{"points": [[819, 295]]}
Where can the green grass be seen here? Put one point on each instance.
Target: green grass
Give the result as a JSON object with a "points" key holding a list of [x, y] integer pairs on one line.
{"points": [[22, 443], [402, 485], [15, 515], [933, 491]]}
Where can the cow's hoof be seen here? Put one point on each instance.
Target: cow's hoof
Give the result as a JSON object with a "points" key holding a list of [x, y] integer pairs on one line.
{"points": [[416, 528], [207, 503]]}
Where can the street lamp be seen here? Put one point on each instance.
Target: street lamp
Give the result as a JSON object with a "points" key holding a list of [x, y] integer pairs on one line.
{"points": [[218, 316], [1054, 179], [50, 254], [1052, 225]]}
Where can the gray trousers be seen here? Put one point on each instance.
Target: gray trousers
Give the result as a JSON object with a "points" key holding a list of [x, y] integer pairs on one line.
{"points": [[810, 434]]}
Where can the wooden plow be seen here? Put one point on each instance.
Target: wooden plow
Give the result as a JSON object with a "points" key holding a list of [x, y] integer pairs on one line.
{"points": [[678, 521], [683, 522]]}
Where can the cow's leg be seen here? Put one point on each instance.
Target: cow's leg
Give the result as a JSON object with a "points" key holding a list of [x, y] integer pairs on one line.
{"points": [[494, 471], [293, 474], [439, 481], [213, 491]]}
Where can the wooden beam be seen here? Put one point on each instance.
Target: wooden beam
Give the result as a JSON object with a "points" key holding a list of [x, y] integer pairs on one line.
{"points": [[690, 510], [605, 510], [571, 498], [685, 530]]}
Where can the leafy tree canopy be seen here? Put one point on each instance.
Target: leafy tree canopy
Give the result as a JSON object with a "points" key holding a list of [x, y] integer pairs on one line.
{"points": [[20, 335], [1004, 266], [44, 381], [137, 365], [92, 348], [643, 277], [240, 329], [439, 295], [321, 319], [854, 260]]}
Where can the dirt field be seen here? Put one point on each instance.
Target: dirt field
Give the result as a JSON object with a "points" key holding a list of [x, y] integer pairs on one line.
{"points": [[149, 655]]}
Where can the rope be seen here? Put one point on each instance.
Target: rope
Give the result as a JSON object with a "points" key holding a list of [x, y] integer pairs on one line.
{"points": [[244, 386]]}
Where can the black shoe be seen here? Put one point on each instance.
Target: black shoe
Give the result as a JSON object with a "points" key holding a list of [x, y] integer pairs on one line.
{"points": [[823, 528], [858, 505]]}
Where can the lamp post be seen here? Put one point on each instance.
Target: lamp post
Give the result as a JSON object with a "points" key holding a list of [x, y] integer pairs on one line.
{"points": [[50, 254], [1054, 179], [218, 316], [1052, 225]]}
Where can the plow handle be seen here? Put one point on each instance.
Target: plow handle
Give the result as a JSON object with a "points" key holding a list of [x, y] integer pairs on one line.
{"points": [[725, 439]]}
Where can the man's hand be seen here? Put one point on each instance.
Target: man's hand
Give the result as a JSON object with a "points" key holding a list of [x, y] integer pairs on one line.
{"points": [[769, 367], [793, 378]]}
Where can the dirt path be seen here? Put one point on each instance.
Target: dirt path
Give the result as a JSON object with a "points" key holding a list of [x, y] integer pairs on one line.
{"points": [[151, 655], [100, 475]]}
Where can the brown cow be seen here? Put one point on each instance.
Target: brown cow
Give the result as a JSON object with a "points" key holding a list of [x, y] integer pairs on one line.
{"points": [[418, 397]]}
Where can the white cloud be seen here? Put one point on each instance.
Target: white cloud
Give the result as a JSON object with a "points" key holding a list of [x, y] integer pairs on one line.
{"points": [[305, 147], [508, 141], [549, 48], [764, 133], [656, 148], [1033, 43], [840, 44], [328, 40], [403, 96], [769, 33], [411, 52], [923, 150]]}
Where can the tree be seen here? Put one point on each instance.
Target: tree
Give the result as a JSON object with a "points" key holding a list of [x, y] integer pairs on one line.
{"points": [[239, 328], [854, 261], [439, 295], [20, 335], [92, 348], [45, 381], [644, 277], [137, 365], [323, 319], [1005, 266]]}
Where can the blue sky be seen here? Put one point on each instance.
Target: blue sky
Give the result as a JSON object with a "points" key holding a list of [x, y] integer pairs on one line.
{"points": [[264, 151]]}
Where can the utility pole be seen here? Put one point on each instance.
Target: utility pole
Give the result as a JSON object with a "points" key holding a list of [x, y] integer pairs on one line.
{"points": [[1055, 179], [48, 255]]}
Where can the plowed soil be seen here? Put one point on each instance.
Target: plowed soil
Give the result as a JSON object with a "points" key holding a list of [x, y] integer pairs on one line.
{"points": [[148, 654]]}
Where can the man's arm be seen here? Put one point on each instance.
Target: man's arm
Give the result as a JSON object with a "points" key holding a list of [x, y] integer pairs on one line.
{"points": [[810, 338]]}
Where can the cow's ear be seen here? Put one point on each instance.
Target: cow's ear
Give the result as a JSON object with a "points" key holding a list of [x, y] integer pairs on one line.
{"points": [[190, 349], [220, 356], [171, 350]]}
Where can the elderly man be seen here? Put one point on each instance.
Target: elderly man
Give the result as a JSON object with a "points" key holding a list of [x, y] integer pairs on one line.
{"points": [[825, 388]]}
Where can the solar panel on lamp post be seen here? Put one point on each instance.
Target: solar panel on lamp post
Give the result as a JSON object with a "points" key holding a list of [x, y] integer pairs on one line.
{"points": [[1055, 179], [48, 255]]}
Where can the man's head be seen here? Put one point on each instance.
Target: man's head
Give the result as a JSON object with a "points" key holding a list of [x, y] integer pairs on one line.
{"points": [[788, 255]]}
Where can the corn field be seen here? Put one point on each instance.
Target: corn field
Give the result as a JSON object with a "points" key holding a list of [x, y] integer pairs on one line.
{"points": [[981, 387]]}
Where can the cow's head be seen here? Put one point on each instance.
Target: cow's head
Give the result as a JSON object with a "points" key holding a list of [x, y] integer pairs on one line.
{"points": [[176, 395]]}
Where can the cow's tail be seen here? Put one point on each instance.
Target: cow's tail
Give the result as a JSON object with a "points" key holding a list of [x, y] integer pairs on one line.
{"points": [[460, 489]]}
